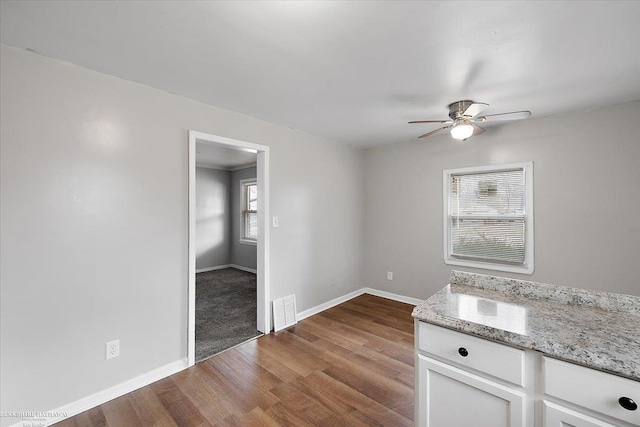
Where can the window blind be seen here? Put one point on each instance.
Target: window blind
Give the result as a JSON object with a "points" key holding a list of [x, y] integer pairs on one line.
{"points": [[487, 216], [250, 211]]}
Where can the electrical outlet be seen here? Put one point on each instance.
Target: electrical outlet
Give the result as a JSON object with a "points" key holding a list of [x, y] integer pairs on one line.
{"points": [[389, 275], [112, 349]]}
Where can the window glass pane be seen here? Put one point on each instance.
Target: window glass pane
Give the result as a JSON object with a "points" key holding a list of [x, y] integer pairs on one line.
{"points": [[252, 197], [249, 214], [252, 228], [496, 240], [488, 193]]}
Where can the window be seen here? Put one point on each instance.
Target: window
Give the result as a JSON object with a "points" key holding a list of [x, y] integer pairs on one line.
{"points": [[249, 232], [488, 214]]}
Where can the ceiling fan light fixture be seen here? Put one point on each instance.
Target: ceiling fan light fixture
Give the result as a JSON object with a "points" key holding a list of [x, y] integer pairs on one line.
{"points": [[465, 118], [461, 131]]}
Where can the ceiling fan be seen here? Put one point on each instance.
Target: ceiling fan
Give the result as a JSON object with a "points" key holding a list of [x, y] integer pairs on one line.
{"points": [[464, 116]]}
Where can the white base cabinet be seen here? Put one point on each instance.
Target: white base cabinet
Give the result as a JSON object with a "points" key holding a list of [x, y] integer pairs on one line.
{"points": [[559, 416], [452, 397], [588, 388], [463, 381]]}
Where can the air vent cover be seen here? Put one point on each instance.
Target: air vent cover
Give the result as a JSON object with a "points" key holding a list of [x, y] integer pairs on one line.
{"points": [[284, 312]]}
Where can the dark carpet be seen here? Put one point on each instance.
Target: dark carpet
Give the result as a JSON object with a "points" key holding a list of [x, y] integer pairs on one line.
{"points": [[225, 310]]}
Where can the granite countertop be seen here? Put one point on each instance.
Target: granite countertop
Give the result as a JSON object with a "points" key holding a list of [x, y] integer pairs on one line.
{"points": [[596, 329]]}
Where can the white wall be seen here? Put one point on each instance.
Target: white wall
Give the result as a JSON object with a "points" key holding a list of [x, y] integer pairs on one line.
{"points": [[93, 217], [242, 254], [213, 218], [586, 191]]}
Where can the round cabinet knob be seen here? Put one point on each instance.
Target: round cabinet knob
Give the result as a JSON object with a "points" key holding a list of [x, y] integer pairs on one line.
{"points": [[628, 403], [464, 353]]}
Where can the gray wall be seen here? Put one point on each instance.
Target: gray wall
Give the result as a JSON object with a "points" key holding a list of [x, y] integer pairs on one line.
{"points": [[586, 191], [213, 218], [242, 254], [93, 218]]}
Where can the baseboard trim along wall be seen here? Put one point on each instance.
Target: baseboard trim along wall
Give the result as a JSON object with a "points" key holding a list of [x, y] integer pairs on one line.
{"points": [[220, 267], [327, 305], [104, 396], [247, 269], [121, 389], [217, 267], [395, 297]]}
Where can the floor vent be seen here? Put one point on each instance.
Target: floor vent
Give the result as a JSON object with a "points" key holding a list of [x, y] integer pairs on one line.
{"points": [[284, 312]]}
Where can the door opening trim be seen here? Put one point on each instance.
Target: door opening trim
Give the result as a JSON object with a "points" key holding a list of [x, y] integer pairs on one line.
{"points": [[263, 286]]}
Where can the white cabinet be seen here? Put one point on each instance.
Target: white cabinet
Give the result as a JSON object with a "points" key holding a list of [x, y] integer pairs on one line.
{"points": [[462, 380], [559, 416], [497, 360], [595, 390], [448, 396], [467, 381]]}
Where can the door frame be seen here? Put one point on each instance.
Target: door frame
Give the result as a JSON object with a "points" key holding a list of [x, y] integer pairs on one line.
{"points": [[263, 284]]}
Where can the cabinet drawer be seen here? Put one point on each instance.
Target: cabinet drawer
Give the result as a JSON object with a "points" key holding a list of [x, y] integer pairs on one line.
{"points": [[595, 390], [559, 416], [501, 361]]}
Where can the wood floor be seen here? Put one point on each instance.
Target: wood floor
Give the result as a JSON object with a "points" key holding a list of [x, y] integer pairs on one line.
{"points": [[351, 365]]}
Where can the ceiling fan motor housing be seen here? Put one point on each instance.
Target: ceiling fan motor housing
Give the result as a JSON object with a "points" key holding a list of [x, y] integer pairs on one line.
{"points": [[457, 109]]}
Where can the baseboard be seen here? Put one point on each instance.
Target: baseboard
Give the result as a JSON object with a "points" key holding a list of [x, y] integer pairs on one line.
{"points": [[327, 305], [217, 267], [336, 301], [220, 267], [86, 403], [247, 269], [395, 297]]}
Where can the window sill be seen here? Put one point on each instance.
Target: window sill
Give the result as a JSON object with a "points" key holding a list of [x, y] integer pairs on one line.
{"points": [[523, 269], [249, 242]]}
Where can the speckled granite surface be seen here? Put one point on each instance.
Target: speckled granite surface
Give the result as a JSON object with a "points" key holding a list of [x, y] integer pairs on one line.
{"points": [[591, 328]]}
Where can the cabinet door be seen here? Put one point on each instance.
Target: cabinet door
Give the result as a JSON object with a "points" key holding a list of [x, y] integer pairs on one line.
{"points": [[448, 396], [559, 416]]}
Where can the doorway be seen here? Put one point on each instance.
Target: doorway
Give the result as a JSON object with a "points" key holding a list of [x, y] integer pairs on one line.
{"points": [[227, 272]]}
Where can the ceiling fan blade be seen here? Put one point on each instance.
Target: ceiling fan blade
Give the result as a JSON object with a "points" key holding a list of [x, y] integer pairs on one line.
{"points": [[477, 130], [431, 121], [434, 131], [474, 109], [516, 115]]}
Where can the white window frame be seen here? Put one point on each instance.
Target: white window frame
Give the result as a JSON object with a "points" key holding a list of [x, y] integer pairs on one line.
{"points": [[243, 212], [528, 265]]}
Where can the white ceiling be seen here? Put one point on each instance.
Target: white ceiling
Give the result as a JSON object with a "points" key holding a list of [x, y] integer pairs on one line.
{"points": [[354, 72], [218, 157]]}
